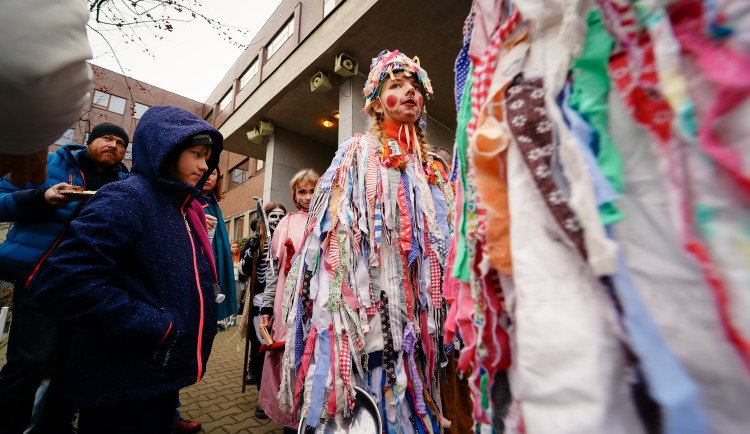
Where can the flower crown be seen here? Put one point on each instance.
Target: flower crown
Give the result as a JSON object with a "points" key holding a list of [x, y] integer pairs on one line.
{"points": [[383, 67]]}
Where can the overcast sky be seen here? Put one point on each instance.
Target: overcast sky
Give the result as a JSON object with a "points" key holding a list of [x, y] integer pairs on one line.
{"points": [[194, 57]]}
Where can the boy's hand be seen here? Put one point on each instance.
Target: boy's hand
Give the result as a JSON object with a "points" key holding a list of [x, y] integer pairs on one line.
{"points": [[211, 221], [265, 321]]}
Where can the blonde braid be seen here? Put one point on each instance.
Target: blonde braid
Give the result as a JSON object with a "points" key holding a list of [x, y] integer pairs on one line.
{"points": [[376, 127], [424, 147]]}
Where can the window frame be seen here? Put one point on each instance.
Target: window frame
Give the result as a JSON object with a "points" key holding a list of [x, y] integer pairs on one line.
{"points": [[95, 102], [247, 75], [225, 101], [276, 42], [135, 109], [243, 165]]}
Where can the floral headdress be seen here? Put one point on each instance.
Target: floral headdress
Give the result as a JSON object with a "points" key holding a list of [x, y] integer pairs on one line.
{"points": [[383, 67]]}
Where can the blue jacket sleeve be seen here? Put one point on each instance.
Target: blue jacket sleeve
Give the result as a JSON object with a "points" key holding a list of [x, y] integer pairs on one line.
{"points": [[76, 283], [18, 204]]}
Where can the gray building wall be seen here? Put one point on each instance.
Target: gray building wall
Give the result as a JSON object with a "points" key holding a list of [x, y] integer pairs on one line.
{"points": [[287, 153]]}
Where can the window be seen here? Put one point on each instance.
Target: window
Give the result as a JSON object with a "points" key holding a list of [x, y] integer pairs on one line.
{"points": [[249, 73], [238, 174], [239, 228], [224, 103], [285, 33], [66, 138], [259, 165], [209, 117], [129, 152], [109, 102], [139, 109], [328, 6]]}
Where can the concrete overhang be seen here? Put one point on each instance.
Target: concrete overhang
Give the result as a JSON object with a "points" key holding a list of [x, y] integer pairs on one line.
{"points": [[430, 29]]}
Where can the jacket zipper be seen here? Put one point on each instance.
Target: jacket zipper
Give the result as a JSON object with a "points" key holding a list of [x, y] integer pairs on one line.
{"points": [[200, 292], [62, 234]]}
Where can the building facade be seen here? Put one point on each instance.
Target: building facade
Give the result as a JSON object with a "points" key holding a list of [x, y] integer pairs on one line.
{"points": [[289, 100]]}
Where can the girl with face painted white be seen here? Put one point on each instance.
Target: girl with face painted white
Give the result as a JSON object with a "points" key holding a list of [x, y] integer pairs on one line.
{"points": [[274, 211], [287, 239]]}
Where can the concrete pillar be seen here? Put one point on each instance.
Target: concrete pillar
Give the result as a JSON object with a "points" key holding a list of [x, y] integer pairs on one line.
{"points": [[351, 118], [286, 154]]}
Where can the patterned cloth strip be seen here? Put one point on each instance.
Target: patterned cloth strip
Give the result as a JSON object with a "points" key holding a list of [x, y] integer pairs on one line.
{"points": [[334, 270], [389, 354], [481, 79], [305, 365], [534, 134], [414, 247], [320, 378], [298, 338], [346, 369], [410, 339], [435, 280]]}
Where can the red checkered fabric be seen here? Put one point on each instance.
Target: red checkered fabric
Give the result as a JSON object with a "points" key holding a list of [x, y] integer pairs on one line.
{"points": [[484, 69], [435, 278], [345, 365], [372, 309]]}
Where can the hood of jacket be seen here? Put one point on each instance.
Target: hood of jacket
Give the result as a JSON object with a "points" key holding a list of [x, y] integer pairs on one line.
{"points": [[160, 130]]}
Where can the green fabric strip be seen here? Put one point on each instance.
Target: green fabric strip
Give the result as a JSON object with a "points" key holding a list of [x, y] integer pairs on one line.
{"points": [[461, 264], [589, 98]]}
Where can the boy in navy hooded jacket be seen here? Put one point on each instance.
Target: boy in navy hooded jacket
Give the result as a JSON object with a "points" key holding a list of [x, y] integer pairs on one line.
{"points": [[143, 282]]}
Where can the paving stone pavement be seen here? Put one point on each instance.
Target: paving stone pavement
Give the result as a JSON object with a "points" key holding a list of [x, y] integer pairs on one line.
{"points": [[217, 401]]}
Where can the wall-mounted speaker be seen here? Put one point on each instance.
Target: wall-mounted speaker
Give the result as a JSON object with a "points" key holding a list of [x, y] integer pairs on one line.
{"points": [[320, 82], [265, 128], [255, 136], [346, 65]]}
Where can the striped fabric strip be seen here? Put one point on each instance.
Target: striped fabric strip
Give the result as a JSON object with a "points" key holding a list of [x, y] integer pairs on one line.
{"points": [[305, 365]]}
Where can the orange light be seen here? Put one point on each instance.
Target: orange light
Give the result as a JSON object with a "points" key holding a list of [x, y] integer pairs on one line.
{"points": [[327, 123], [335, 114]]}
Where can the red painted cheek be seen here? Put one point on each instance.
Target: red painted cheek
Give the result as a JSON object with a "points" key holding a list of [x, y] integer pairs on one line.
{"points": [[419, 100], [391, 101]]}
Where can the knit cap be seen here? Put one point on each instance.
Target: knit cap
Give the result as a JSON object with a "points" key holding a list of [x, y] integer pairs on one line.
{"points": [[108, 129]]}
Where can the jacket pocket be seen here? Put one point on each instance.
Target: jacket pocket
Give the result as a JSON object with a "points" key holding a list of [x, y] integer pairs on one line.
{"points": [[166, 348]]}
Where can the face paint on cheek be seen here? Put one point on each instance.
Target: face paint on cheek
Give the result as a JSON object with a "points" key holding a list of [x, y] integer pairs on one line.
{"points": [[419, 101], [391, 101]]}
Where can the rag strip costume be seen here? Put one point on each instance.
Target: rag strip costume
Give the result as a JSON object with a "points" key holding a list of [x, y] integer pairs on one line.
{"points": [[598, 275], [363, 301]]}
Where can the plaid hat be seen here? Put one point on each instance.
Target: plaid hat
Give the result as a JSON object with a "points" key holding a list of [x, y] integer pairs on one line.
{"points": [[108, 129]]}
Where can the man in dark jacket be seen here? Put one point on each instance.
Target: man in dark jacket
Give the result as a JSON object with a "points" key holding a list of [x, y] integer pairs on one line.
{"points": [[136, 276], [41, 215]]}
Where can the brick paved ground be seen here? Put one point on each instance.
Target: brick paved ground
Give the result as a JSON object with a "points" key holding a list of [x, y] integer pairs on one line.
{"points": [[217, 400]]}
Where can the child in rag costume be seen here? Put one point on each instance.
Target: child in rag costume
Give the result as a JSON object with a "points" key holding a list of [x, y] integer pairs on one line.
{"points": [[363, 301]]}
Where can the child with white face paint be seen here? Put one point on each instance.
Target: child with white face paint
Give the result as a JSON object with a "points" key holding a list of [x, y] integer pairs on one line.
{"points": [[287, 239], [274, 217], [275, 211]]}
